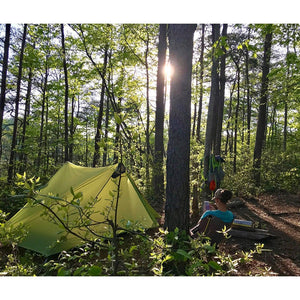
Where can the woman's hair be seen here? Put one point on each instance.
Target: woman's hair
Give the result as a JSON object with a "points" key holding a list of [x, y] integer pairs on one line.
{"points": [[223, 195]]}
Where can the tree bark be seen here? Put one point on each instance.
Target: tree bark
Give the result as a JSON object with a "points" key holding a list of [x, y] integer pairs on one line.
{"points": [[104, 159], [262, 112], [248, 94], [158, 174], [3, 80], [201, 85], [44, 96], [286, 100], [220, 106], [178, 153], [66, 93], [11, 166], [237, 108], [72, 131], [96, 160], [23, 158], [148, 116], [210, 135]]}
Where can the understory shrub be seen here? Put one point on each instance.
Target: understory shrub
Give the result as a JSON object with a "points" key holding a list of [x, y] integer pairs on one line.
{"points": [[160, 254], [279, 172]]}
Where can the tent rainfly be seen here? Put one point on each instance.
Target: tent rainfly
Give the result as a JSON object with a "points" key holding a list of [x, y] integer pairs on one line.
{"points": [[106, 194]]}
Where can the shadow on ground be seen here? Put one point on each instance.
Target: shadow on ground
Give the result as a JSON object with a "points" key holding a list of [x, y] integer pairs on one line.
{"points": [[280, 215]]}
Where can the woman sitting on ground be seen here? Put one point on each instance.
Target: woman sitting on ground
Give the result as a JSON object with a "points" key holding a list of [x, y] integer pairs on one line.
{"points": [[220, 210]]}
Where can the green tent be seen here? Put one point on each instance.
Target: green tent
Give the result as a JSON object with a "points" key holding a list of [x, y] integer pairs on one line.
{"points": [[94, 196]]}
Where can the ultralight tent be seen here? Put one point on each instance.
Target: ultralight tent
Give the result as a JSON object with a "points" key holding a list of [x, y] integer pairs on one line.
{"points": [[105, 193]]}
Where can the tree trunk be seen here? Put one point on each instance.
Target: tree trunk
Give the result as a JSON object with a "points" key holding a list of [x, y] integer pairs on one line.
{"points": [[220, 107], [228, 145], [3, 80], [237, 108], [158, 174], [11, 166], [66, 93], [196, 163], [262, 112], [201, 85], [72, 131], [104, 159], [23, 158], [148, 117], [46, 142], [44, 96], [286, 100], [213, 102], [248, 94], [118, 140], [178, 153], [96, 160]]}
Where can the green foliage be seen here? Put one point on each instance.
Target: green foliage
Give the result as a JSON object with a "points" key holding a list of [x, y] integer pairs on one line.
{"points": [[241, 182], [134, 254], [20, 266], [175, 253], [281, 172], [11, 264]]}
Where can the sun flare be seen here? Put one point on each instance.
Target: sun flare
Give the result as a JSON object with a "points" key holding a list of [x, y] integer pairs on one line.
{"points": [[168, 70]]}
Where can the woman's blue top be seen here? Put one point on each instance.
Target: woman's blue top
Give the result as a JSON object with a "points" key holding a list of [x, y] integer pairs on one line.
{"points": [[225, 216]]}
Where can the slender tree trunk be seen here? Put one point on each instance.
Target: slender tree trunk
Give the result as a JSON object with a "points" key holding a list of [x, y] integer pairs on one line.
{"points": [[72, 131], [213, 102], [96, 160], [118, 141], [178, 153], [286, 100], [237, 108], [228, 146], [66, 93], [158, 174], [201, 85], [248, 94], [220, 107], [26, 123], [196, 166], [262, 112], [46, 142], [86, 143], [3, 80], [104, 159], [11, 166], [148, 117], [58, 134], [44, 96]]}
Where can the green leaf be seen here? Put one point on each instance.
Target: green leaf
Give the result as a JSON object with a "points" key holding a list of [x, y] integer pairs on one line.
{"points": [[95, 271], [78, 195], [168, 257], [72, 191], [78, 271], [183, 253], [215, 265], [63, 272], [118, 118], [19, 176]]}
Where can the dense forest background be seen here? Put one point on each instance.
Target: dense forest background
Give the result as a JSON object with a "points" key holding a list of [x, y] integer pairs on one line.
{"points": [[87, 93]]}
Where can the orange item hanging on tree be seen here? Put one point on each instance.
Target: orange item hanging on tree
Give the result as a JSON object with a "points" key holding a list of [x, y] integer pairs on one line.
{"points": [[212, 185]]}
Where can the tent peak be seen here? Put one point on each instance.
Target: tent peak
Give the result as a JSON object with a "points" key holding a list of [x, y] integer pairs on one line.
{"points": [[119, 170]]}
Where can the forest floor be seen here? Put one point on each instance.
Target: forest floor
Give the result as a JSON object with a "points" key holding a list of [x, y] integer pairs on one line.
{"points": [[280, 215]]}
